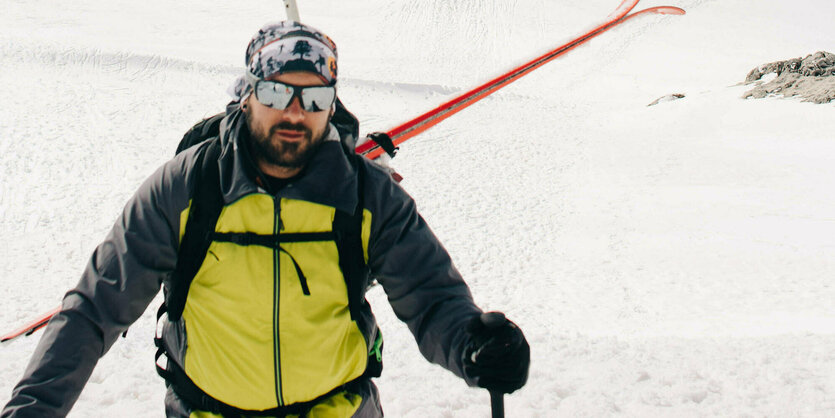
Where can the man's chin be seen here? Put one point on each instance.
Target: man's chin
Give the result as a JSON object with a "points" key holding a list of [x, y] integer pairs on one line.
{"points": [[292, 162], [291, 155], [287, 153]]}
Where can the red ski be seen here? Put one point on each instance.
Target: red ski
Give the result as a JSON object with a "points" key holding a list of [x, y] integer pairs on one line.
{"points": [[431, 118], [31, 327]]}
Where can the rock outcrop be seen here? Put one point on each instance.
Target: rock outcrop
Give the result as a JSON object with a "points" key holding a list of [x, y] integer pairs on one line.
{"points": [[812, 78]]}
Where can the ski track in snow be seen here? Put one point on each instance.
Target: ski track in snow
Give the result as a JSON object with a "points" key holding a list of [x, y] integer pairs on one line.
{"points": [[665, 261]]}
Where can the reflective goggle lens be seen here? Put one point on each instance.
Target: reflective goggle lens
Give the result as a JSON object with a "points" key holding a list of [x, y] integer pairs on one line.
{"points": [[275, 95], [315, 99], [279, 95]]}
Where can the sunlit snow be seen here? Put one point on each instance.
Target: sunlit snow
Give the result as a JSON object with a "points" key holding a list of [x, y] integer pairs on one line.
{"points": [[666, 261]]}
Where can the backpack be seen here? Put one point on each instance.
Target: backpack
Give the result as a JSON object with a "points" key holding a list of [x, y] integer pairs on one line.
{"points": [[207, 202], [206, 206]]}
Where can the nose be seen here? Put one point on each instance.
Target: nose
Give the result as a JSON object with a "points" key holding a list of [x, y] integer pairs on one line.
{"points": [[294, 112]]}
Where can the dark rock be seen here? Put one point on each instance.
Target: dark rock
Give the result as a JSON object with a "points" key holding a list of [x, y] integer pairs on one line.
{"points": [[810, 77]]}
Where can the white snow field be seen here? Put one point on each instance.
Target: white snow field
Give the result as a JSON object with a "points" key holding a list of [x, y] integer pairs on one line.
{"points": [[666, 261]]}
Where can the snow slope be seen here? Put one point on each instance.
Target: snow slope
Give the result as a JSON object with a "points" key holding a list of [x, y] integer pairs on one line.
{"points": [[674, 260]]}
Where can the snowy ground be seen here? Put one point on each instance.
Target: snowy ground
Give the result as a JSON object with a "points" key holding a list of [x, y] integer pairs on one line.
{"points": [[674, 260]]}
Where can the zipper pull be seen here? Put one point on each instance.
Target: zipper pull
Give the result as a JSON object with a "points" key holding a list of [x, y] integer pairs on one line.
{"points": [[278, 219]]}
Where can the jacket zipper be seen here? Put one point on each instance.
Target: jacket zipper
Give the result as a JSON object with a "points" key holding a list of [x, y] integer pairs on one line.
{"points": [[276, 298]]}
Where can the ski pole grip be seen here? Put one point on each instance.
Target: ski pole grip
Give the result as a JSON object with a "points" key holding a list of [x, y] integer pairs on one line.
{"points": [[497, 403]]}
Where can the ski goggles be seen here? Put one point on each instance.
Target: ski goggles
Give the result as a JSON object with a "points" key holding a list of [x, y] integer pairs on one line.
{"points": [[278, 95]]}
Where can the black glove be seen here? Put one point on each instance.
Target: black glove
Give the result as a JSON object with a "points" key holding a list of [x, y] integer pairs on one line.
{"points": [[497, 356]]}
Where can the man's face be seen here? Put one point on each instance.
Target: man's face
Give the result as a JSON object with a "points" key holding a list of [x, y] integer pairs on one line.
{"points": [[286, 139]]}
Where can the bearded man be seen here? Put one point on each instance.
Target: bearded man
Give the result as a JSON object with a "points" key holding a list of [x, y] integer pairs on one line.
{"points": [[270, 319]]}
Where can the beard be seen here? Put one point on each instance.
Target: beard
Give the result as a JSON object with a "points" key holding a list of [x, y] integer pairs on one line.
{"points": [[267, 146]]}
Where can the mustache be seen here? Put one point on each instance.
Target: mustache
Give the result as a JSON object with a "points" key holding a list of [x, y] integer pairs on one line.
{"points": [[290, 127]]}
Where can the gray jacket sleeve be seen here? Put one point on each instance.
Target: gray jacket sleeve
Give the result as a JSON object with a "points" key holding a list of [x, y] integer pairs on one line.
{"points": [[424, 288], [120, 280]]}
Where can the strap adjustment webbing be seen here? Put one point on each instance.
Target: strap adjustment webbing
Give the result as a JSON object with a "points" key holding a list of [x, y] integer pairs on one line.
{"points": [[273, 241]]}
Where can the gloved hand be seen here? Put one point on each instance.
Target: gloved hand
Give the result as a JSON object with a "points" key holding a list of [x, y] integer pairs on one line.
{"points": [[497, 356]]}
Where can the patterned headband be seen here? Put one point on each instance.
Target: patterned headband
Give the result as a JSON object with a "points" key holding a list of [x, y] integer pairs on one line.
{"points": [[287, 46]]}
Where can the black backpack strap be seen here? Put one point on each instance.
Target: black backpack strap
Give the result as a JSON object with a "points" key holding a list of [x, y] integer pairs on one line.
{"points": [[201, 131], [273, 241], [206, 205], [348, 230]]}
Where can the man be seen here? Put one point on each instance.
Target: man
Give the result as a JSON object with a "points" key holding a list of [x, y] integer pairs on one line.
{"points": [[270, 325]]}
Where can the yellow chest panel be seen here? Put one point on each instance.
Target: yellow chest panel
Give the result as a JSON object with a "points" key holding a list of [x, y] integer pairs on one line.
{"points": [[255, 339]]}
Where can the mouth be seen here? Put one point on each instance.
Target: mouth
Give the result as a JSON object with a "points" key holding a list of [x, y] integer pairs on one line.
{"points": [[290, 135]]}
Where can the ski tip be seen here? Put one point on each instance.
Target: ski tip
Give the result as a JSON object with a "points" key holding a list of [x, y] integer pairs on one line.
{"points": [[658, 10], [624, 7], [669, 10]]}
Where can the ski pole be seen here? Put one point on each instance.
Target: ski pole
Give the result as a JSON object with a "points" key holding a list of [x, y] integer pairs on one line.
{"points": [[292, 10], [497, 403]]}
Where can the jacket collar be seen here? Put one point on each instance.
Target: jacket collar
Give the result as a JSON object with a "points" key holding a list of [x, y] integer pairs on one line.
{"points": [[328, 179]]}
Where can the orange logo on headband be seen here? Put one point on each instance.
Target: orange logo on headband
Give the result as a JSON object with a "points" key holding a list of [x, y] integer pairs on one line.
{"points": [[332, 67]]}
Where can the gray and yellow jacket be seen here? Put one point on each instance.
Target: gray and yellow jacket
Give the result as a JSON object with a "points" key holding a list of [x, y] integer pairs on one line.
{"points": [[252, 334]]}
